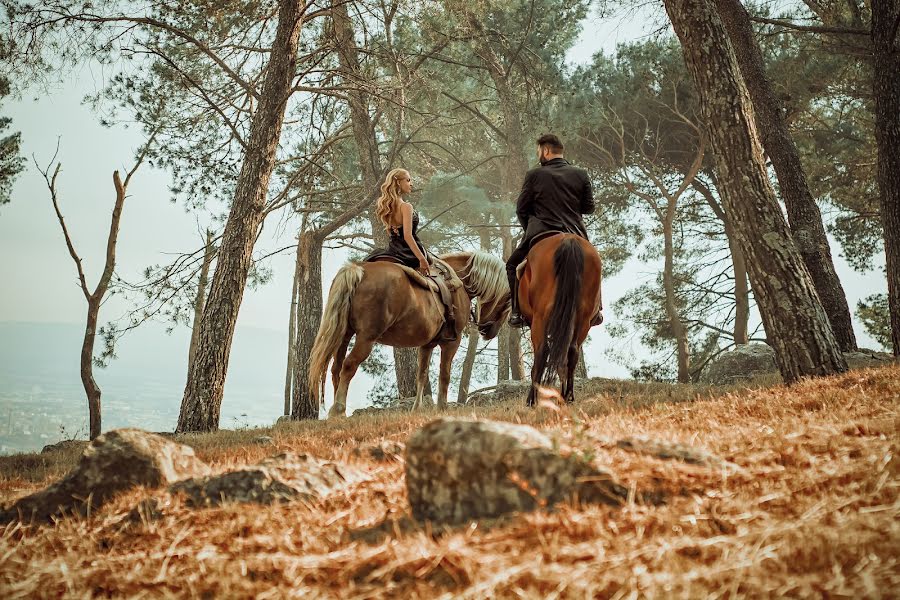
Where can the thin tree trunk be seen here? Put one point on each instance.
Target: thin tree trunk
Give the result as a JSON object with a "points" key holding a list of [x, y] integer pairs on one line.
{"points": [[738, 265], [796, 324], [91, 389], [202, 400], [465, 378], [503, 338], [292, 334], [307, 319], [200, 299], [886, 92], [581, 368], [678, 330], [803, 213]]}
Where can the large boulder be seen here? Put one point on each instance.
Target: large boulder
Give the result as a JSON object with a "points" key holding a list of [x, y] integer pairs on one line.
{"points": [[743, 362], [458, 470], [279, 478], [114, 462]]}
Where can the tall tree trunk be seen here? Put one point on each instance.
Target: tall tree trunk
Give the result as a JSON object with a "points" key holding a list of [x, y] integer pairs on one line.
{"points": [[886, 92], [795, 322], [465, 378], [307, 319], [200, 299], [678, 330], [202, 400], [292, 333], [804, 216]]}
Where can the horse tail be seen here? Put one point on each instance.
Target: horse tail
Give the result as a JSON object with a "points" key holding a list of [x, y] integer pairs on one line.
{"points": [[568, 267], [333, 327]]}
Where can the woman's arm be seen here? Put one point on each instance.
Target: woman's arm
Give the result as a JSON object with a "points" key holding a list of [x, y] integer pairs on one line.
{"points": [[406, 211]]}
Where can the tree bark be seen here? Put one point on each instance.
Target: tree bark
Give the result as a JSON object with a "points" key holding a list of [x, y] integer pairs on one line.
{"points": [[804, 216], [309, 314], [796, 324], [581, 369], [292, 333], [91, 389], [200, 299], [202, 400], [886, 92]]}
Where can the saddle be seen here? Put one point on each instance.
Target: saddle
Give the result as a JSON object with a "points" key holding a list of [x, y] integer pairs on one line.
{"points": [[442, 281]]}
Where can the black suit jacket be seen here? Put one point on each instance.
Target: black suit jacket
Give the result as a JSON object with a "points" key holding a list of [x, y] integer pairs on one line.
{"points": [[553, 198]]}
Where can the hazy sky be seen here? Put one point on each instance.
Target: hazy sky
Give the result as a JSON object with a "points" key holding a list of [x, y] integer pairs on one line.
{"points": [[39, 282]]}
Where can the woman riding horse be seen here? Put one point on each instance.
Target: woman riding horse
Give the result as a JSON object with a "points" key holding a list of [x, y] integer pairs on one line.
{"points": [[382, 302]]}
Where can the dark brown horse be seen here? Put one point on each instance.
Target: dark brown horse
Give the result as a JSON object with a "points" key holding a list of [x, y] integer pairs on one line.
{"points": [[559, 294], [379, 302]]}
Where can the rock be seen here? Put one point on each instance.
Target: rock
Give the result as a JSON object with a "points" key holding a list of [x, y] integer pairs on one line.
{"points": [[383, 451], [283, 419], [400, 405], [114, 462], [458, 470], [65, 446], [283, 477], [863, 359], [264, 440], [741, 363]]}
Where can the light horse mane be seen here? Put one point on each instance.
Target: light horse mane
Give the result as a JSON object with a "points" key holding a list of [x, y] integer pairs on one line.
{"points": [[484, 277]]}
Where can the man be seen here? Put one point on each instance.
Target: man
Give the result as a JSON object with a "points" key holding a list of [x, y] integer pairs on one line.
{"points": [[553, 198]]}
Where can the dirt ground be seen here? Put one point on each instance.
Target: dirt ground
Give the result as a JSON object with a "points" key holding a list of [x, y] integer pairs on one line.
{"points": [[807, 507]]}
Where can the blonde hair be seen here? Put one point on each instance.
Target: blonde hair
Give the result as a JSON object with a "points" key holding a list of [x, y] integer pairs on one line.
{"points": [[390, 197]]}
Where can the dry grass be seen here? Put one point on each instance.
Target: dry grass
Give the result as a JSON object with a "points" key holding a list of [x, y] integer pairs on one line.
{"points": [[812, 512]]}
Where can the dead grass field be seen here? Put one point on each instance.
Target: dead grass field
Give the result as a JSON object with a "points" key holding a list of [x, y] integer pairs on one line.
{"points": [[813, 511]]}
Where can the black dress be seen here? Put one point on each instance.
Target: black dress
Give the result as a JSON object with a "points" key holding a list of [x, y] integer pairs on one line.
{"points": [[398, 249]]}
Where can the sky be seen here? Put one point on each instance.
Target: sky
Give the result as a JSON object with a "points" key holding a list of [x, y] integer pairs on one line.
{"points": [[39, 277]]}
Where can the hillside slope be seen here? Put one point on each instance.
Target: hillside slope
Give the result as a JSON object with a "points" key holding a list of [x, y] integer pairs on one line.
{"points": [[813, 510]]}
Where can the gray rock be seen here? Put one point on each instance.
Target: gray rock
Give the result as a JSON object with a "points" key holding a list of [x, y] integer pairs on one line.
{"points": [[114, 462], [279, 478], [65, 445], [863, 358], [739, 364], [264, 440], [458, 470]]}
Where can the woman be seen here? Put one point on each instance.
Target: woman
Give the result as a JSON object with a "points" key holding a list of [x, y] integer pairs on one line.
{"points": [[401, 223]]}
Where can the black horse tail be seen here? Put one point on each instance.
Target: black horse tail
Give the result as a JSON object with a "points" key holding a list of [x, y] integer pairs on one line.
{"points": [[568, 267]]}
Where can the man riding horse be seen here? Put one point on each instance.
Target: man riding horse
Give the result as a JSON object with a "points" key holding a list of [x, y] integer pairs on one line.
{"points": [[554, 197]]}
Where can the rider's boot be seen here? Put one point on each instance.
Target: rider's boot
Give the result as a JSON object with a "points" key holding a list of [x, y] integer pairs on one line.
{"points": [[515, 317]]}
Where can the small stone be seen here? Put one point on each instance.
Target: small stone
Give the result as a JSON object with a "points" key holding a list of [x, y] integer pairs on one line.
{"points": [[264, 440], [672, 451], [458, 470], [279, 478], [114, 462]]}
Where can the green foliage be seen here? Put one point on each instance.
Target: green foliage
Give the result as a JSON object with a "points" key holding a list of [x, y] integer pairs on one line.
{"points": [[875, 315], [11, 163]]}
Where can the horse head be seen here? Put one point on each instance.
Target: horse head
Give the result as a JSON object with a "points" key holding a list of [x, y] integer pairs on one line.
{"points": [[484, 277]]}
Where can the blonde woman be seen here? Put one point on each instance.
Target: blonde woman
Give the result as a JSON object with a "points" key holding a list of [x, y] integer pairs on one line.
{"points": [[401, 223]]}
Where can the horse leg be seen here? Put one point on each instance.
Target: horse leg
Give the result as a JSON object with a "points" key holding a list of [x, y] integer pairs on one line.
{"points": [[448, 351], [537, 369], [360, 352], [422, 376], [338, 363], [572, 364]]}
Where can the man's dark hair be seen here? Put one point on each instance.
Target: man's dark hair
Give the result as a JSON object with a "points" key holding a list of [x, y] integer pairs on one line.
{"points": [[552, 142]]}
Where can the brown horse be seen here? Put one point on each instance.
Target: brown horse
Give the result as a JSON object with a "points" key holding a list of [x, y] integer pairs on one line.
{"points": [[378, 303], [559, 293]]}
